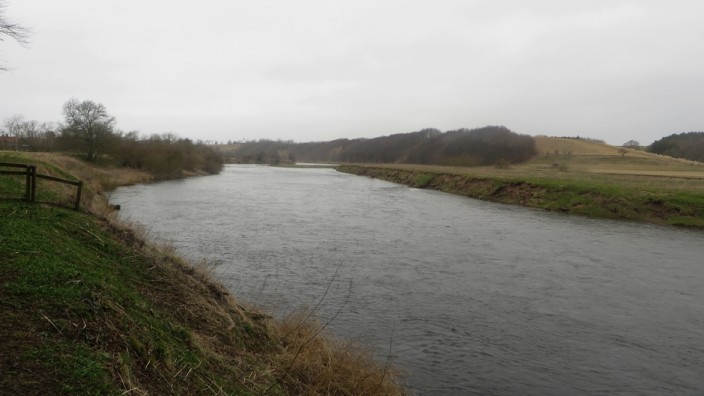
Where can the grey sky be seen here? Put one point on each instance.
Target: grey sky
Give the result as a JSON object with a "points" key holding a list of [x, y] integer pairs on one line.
{"points": [[324, 69]]}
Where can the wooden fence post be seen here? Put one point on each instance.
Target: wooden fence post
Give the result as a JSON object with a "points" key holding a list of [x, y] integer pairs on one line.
{"points": [[28, 183], [31, 176], [78, 195], [33, 169]]}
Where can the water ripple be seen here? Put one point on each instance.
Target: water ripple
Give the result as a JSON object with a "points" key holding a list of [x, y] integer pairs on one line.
{"points": [[480, 298]]}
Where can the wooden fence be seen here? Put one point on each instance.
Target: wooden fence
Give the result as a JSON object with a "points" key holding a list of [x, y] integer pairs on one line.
{"points": [[31, 175]]}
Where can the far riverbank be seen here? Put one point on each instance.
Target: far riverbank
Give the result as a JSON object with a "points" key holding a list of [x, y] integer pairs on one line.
{"points": [[598, 198]]}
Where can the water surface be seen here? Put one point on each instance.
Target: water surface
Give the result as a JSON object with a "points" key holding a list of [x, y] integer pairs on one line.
{"points": [[469, 297]]}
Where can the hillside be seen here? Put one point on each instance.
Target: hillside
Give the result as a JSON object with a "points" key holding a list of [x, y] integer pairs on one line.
{"points": [[561, 158], [689, 145], [591, 157], [91, 307], [462, 147]]}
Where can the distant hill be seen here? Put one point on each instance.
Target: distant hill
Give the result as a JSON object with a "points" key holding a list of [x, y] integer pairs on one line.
{"points": [[575, 146], [688, 145], [463, 147], [588, 156]]}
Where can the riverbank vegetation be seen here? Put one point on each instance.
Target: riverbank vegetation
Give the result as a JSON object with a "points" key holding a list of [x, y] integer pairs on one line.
{"points": [[572, 176], [90, 306], [89, 132], [463, 147], [165, 156]]}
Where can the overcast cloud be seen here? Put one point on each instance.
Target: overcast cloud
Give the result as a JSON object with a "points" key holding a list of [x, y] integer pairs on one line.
{"points": [[318, 70]]}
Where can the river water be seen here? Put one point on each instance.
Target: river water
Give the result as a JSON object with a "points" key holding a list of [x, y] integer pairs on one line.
{"points": [[467, 297]]}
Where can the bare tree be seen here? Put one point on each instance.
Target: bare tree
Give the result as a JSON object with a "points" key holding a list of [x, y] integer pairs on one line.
{"points": [[30, 135], [13, 126], [88, 126], [11, 29], [37, 136]]}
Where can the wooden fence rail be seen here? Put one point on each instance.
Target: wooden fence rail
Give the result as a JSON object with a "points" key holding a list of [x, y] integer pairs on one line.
{"points": [[31, 175]]}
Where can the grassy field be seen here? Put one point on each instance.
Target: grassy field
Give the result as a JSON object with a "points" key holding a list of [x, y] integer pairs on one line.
{"points": [[88, 306], [573, 176], [570, 159]]}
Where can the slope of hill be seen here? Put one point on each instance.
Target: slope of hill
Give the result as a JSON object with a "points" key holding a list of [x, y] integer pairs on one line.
{"points": [[590, 157]]}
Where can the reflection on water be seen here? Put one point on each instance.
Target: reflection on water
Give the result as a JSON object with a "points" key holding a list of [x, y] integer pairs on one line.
{"points": [[473, 297]]}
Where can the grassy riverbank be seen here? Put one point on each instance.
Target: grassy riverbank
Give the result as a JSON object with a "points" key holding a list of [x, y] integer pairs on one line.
{"points": [[90, 307], [575, 177]]}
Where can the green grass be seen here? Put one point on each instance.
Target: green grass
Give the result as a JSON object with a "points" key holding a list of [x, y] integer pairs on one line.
{"points": [[88, 308], [14, 186], [422, 180], [77, 296], [686, 221], [82, 368], [42, 278]]}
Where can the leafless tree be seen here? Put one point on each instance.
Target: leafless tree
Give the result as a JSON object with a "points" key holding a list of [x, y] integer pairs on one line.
{"points": [[30, 135], [11, 29], [88, 126], [13, 126], [38, 136]]}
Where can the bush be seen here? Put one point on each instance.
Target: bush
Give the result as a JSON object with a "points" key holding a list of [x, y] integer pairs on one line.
{"points": [[166, 156]]}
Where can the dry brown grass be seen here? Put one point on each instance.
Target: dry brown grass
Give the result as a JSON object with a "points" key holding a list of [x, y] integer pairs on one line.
{"points": [[101, 179], [598, 157], [296, 355], [596, 162], [548, 145], [312, 363], [306, 360]]}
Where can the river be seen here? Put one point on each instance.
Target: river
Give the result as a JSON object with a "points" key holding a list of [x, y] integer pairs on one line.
{"points": [[467, 297]]}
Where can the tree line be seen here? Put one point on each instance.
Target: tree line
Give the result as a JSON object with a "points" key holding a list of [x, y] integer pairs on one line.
{"points": [[490, 145], [89, 132], [688, 145]]}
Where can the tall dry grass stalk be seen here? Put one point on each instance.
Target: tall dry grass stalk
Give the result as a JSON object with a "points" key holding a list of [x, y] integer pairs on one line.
{"points": [[313, 363]]}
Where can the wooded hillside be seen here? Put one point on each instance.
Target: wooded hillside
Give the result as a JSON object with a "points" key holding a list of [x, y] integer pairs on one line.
{"points": [[689, 145], [463, 147]]}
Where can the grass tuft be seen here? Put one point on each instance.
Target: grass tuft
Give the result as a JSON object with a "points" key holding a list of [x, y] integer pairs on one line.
{"points": [[319, 365]]}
